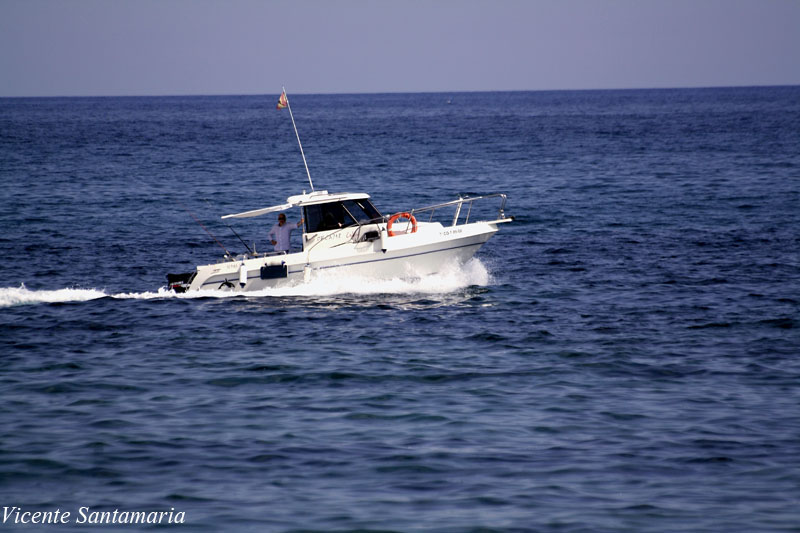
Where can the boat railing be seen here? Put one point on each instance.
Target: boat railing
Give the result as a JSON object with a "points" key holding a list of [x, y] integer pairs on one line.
{"points": [[459, 205]]}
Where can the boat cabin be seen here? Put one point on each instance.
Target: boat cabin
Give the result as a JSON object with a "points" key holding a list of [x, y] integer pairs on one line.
{"points": [[325, 212]]}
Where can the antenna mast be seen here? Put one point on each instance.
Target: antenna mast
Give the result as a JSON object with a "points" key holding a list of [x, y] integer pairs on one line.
{"points": [[285, 100]]}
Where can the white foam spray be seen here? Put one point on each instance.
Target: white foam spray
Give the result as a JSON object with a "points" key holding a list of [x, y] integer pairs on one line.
{"points": [[322, 284], [10, 296]]}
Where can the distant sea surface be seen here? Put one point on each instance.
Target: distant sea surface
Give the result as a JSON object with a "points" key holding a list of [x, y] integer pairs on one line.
{"points": [[624, 357]]}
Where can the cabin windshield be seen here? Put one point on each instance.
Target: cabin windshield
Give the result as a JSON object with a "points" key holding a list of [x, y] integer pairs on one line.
{"points": [[363, 210], [336, 215]]}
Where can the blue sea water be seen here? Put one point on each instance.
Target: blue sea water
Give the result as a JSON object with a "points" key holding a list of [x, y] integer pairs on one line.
{"points": [[624, 357]]}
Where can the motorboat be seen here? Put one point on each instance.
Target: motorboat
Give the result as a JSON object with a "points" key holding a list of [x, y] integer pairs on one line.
{"points": [[345, 233]]}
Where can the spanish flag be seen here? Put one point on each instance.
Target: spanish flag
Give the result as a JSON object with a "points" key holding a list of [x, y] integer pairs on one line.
{"points": [[283, 103]]}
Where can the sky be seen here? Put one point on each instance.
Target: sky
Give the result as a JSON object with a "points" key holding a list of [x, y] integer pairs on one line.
{"points": [[178, 47]]}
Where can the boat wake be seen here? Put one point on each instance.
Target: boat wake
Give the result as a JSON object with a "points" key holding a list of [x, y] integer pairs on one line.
{"points": [[323, 284], [11, 296]]}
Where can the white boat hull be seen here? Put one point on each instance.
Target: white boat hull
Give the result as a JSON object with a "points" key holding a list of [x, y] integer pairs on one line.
{"points": [[410, 255]]}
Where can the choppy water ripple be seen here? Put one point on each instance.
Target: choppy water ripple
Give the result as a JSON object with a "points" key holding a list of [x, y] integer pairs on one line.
{"points": [[623, 357]]}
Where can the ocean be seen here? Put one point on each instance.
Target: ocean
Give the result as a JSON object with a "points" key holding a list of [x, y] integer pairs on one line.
{"points": [[623, 357]]}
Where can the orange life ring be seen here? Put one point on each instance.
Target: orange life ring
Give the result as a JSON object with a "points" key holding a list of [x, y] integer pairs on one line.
{"points": [[407, 216]]}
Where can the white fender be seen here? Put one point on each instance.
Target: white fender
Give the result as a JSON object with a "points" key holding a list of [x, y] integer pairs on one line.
{"points": [[242, 275]]}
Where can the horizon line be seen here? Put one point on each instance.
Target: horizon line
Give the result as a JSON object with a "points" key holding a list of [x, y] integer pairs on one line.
{"points": [[460, 91]]}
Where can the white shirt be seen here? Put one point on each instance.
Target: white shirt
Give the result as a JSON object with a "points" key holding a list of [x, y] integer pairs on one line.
{"points": [[281, 235]]}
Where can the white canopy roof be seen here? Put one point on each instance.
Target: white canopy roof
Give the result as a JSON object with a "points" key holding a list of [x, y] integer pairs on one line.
{"points": [[316, 197]]}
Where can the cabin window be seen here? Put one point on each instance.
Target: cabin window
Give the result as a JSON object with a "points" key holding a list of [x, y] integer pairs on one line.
{"points": [[363, 210], [337, 215], [325, 217]]}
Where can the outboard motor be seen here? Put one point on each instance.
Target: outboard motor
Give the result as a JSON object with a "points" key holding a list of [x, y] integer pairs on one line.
{"points": [[180, 282]]}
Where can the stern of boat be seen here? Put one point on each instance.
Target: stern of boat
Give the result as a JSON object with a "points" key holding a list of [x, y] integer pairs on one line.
{"points": [[180, 282]]}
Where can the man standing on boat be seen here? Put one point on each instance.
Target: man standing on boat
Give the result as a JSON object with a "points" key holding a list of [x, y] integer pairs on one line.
{"points": [[281, 233]]}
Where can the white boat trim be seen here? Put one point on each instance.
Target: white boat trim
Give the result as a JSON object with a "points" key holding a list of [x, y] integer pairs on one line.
{"points": [[259, 212]]}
